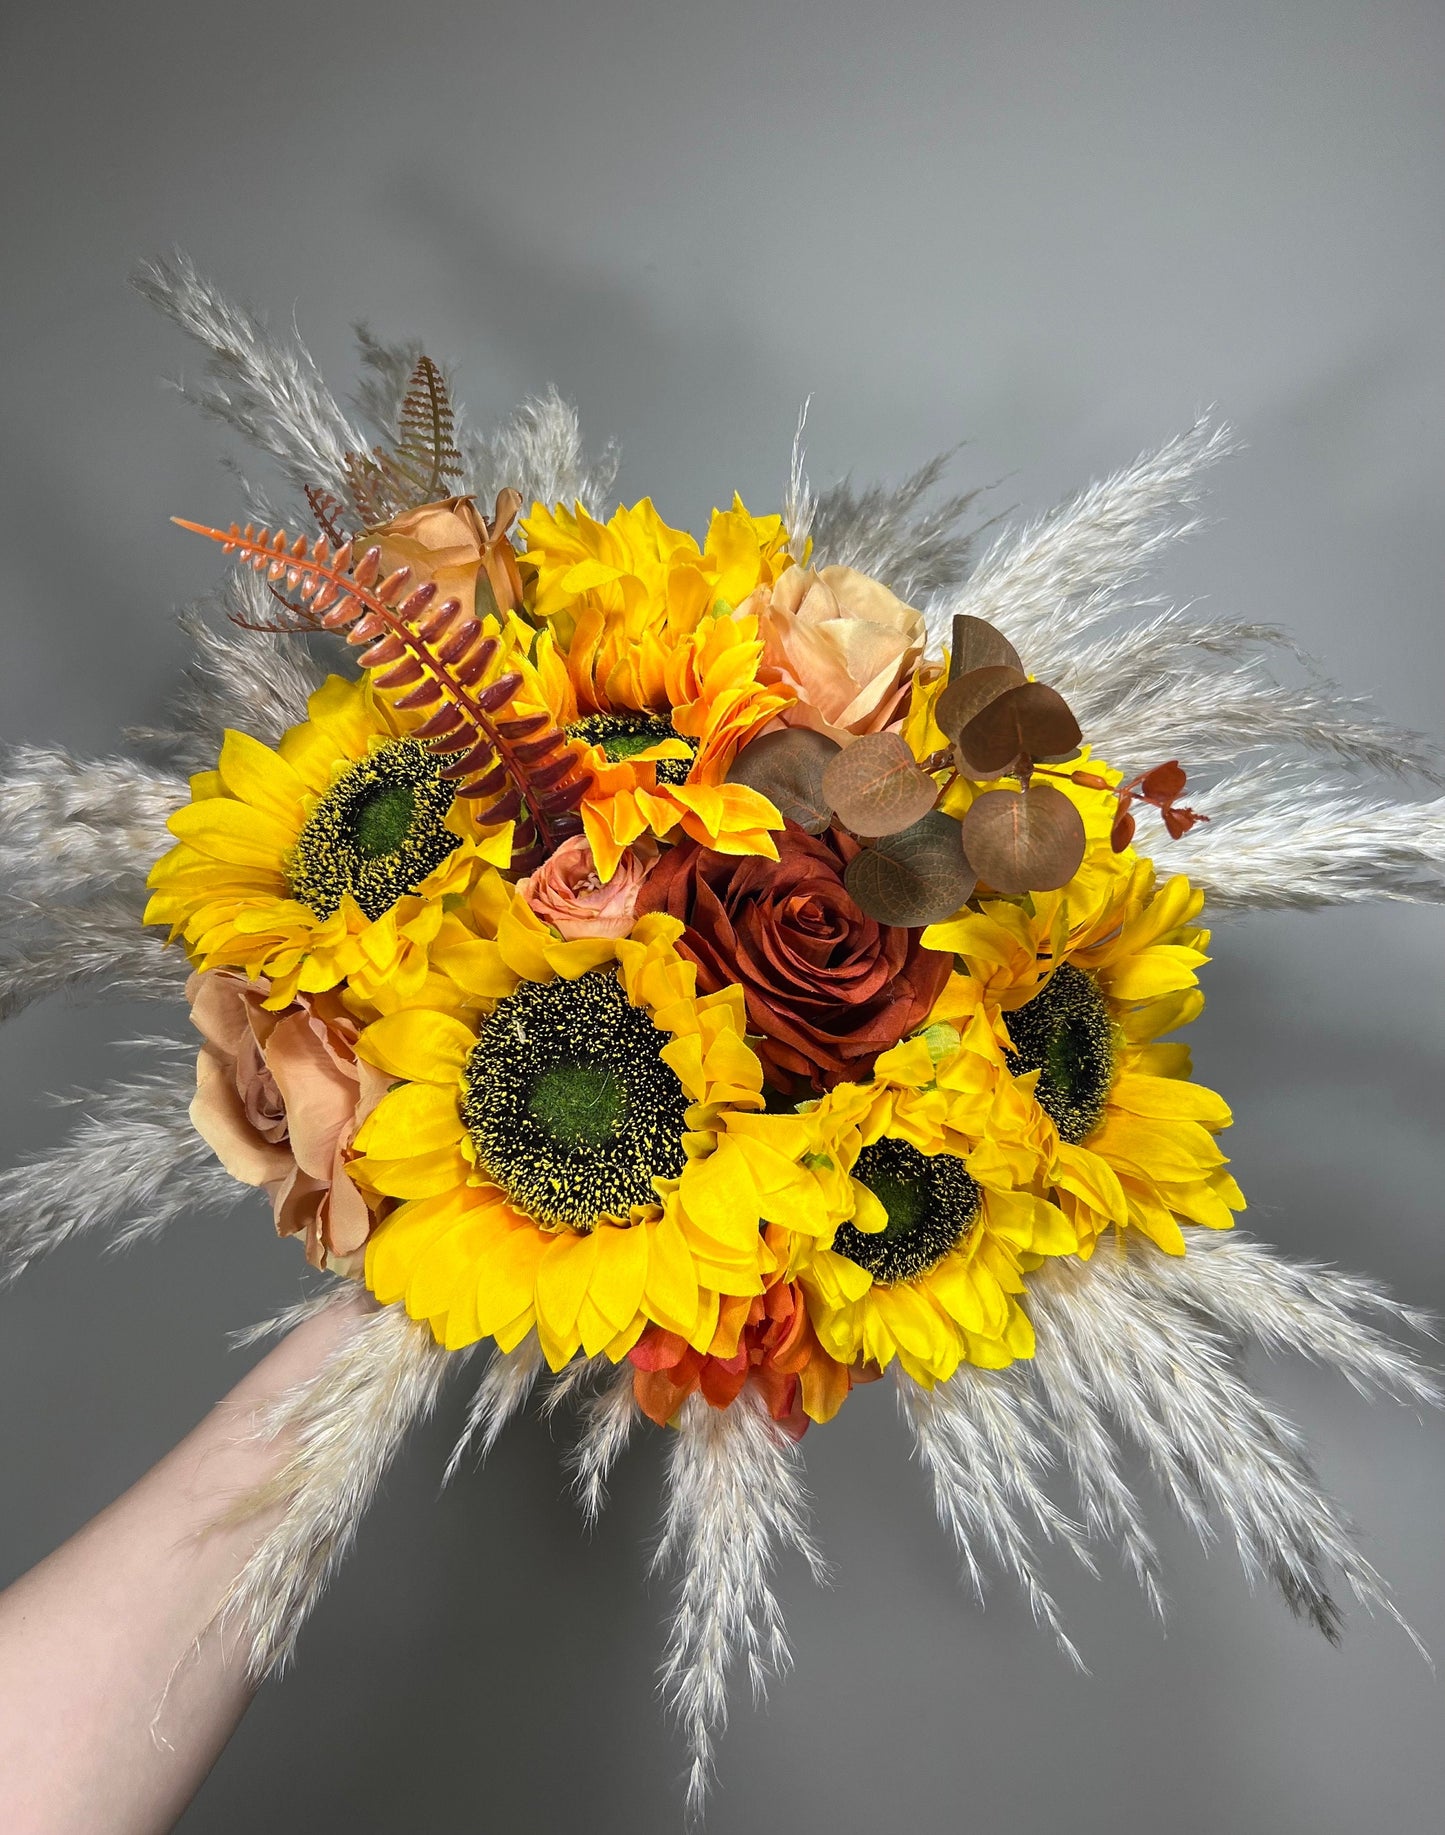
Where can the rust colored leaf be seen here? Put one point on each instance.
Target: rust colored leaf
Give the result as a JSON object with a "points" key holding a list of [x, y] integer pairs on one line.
{"points": [[875, 785], [1180, 821], [1163, 783], [977, 644], [1024, 841], [1030, 721], [919, 876], [1122, 833], [787, 768], [968, 695]]}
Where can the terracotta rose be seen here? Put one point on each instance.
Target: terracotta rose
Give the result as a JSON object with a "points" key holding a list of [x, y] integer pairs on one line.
{"points": [[847, 645], [828, 988], [279, 1097]]}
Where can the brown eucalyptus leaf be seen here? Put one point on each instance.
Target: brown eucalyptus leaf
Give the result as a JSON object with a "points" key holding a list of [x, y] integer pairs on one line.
{"points": [[787, 768], [1030, 721], [875, 785], [1024, 841], [919, 876], [977, 644], [968, 695]]}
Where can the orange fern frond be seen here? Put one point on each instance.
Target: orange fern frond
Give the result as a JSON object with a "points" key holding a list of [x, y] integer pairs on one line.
{"points": [[430, 656]]}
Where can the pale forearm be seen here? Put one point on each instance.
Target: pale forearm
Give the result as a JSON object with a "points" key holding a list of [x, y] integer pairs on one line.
{"points": [[115, 1694]]}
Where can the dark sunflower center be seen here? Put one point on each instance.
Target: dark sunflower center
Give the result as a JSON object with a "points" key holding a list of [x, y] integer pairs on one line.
{"points": [[1065, 1034], [622, 736], [377, 832], [931, 1204], [569, 1103]]}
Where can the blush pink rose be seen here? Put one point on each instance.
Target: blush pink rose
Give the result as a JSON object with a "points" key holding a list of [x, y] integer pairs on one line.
{"points": [[566, 893], [279, 1098]]}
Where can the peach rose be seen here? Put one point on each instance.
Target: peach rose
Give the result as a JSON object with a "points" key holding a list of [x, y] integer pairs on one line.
{"points": [[452, 543], [279, 1098], [844, 643], [566, 893]]}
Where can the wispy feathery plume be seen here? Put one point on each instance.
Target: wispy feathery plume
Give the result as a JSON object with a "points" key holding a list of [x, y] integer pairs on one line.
{"points": [[1298, 846], [269, 389], [539, 452], [344, 1426], [1302, 1307], [254, 680], [893, 534], [735, 1498], [1045, 584], [506, 1383], [132, 1165], [1172, 1382], [979, 1439], [1217, 719], [99, 947], [608, 1419], [70, 825], [800, 503], [386, 373]]}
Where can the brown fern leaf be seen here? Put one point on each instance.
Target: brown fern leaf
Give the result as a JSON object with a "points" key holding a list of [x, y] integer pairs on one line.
{"points": [[328, 511], [434, 659], [426, 453], [371, 493]]}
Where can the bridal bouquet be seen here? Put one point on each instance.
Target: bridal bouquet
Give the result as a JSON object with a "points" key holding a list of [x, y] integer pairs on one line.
{"points": [[713, 973]]}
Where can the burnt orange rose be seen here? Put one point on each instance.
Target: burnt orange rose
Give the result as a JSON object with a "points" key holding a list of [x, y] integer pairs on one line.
{"points": [[827, 987], [279, 1097], [452, 543]]}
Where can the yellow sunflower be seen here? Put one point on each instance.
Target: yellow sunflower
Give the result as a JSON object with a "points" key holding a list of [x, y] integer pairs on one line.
{"points": [[661, 769], [643, 663], [1084, 982], [566, 1156], [327, 859], [943, 1159], [623, 593]]}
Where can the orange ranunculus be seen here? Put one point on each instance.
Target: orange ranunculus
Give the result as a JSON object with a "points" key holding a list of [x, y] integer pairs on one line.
{"points": [[453, 544], [844, 644], [279, 1098], [768, 1341]]}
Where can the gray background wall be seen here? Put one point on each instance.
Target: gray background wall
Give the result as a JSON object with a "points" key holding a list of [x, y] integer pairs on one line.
{"points": [[1050, 230]]}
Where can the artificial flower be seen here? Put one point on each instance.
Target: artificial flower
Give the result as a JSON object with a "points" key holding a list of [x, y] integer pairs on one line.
{"points": [[946, 1218], [660, 767], [777, 1352], [1086, 981], [845, 645], [566, 892], [279, 1098], [566, 1159], [827, 987], [327, 859], [451, 545]]}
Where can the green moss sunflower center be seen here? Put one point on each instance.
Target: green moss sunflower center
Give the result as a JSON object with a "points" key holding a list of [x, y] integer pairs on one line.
{"points": [[570, 1106], [623, 736], [931, 1203], [1065, 1033], [376, 833]]}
